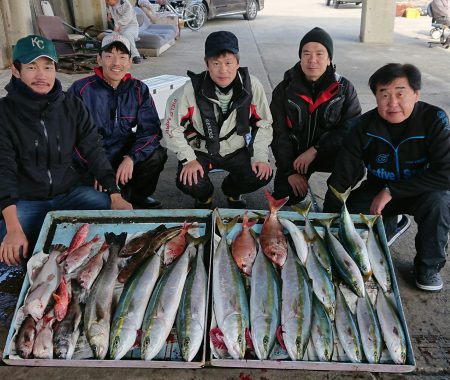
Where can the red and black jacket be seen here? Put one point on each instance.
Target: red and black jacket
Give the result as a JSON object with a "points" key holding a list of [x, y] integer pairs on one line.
{"points": [[309, 114]]}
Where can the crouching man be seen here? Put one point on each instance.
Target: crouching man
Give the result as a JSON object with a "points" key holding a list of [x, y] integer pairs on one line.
{"points": [[405, 146]]}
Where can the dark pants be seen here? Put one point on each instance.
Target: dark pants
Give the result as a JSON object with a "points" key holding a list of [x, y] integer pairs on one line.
{"points": [[431, 212], [31, 214], [146, 175], [322, 163], [240, 180]]}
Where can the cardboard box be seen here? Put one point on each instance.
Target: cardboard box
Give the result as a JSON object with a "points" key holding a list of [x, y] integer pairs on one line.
{"points": [[161, 87]]}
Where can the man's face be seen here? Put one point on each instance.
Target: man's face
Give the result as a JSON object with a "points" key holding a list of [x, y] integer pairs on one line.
{"points": [[39, 75], [111, 2], [396, 100], [115, 65], [223, 69], [314, 60]]}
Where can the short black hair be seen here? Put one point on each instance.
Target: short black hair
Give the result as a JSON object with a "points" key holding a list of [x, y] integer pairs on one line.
{"points": [[388, 73], [119, 46], [222, 53]]}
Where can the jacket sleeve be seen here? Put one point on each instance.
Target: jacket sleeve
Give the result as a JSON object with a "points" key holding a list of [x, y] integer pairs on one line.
{"points": [[261, 110], [351, 109], [148, 132], [179, 109], [282, 146], [89, 142], [436, 177], [9, 193]]}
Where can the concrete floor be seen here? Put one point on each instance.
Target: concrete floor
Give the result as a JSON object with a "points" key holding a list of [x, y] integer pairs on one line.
{"points": [[269, 46]]}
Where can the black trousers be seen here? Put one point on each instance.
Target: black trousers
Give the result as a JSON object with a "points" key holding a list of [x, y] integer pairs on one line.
{"points": [[322, 163], [431, 212], [240, 180]]}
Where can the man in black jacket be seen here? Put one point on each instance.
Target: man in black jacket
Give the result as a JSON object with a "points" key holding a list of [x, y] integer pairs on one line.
{"points": [[39, 128], [312, 108], [405, 146]]}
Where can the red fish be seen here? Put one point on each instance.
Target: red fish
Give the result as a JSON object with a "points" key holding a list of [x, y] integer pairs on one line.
{"points": [[77, 241], [87, 275], [77, 257], [62, 299], [272, 239], [243, 247], [176, 246]]}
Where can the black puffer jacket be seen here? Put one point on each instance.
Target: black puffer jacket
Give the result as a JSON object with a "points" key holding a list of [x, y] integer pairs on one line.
{"points": [[38, 134], [418, 163], [311, 114]]}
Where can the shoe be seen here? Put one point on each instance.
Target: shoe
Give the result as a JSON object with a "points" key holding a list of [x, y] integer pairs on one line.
{"points": [[203, 205], [428, 280], [238, 202], [403, 224], [136, 60], [145, 203]]}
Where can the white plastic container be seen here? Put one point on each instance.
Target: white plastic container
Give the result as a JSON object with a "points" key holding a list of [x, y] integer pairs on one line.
{"points": [[161, 87]]}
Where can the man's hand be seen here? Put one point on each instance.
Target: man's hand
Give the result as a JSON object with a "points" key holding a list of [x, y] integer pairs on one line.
{"points": [[118, 203], [299, 184], [13, 242], [97, 186], [302, 162], [125, 171], [117, 28], [263, 170], [190, 172], [380, 201]]}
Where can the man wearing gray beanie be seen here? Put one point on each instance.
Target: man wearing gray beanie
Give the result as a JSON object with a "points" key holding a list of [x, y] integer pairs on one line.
{"points": [[312, 108]]}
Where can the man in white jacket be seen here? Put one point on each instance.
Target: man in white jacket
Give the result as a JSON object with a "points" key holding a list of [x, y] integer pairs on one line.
{"points": [[220, 120]]}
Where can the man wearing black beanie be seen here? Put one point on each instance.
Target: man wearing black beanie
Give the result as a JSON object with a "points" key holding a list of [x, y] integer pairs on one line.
{"points": [[312, 108]]}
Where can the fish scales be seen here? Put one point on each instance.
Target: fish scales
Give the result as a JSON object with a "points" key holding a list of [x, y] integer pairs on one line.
{"points": [[370, 330], [322, 332]]}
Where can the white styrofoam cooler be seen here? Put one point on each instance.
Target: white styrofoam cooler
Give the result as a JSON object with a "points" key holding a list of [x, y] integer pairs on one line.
{"points": [[161, 87]]}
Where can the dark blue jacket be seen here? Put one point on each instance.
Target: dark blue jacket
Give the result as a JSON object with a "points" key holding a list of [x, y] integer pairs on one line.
{"points": [[417, 164], [126, 117]]}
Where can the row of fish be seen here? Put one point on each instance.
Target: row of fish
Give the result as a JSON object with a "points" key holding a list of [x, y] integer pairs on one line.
{"points": [[308, 305], [167, 285]]}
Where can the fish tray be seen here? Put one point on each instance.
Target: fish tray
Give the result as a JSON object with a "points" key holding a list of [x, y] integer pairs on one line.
{"points": [[278, 360], [60, 226]]}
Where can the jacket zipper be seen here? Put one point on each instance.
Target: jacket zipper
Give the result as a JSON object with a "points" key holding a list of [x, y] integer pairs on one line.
{"points": [[299, 121], [49, 174], [36, 150], [325, 114], [58, 145]]}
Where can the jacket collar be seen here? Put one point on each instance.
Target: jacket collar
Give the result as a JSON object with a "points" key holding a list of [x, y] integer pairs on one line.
{"points": [[125, 80]]}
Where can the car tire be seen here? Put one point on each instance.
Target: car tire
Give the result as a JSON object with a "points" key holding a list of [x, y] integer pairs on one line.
{"points": [[196, 15], [251, 11]]}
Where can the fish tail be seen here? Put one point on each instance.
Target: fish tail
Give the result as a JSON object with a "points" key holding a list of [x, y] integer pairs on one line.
{"points": [[224, 228], [111, 238], [326, 222], [274, 204], [341, 196], [369, 221], [246, 222], [303, 207], [197, 240]]}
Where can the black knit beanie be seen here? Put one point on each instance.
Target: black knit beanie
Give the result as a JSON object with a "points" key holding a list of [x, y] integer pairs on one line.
{"points": [[317, 35]]}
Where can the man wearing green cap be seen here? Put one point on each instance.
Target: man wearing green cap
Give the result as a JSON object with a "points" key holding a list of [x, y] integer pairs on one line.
{"points": [[40, 126], [312, 108]]}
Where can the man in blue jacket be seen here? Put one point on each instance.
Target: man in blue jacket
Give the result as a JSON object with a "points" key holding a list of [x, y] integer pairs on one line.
{"points": [[126, 117], [405, 146], [39, 127]]}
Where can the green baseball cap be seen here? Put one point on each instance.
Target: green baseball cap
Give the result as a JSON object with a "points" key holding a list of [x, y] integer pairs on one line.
{"points": [[32, 47]]}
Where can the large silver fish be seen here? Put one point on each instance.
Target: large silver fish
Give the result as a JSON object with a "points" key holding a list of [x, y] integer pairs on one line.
{"points": [[67, 331], [192, 310], [350, 238], [296, 307], [322, 332], [97, 315], [347, 329], [163, 305], [392, 329], [370, 330], [343, 263], [265, 305], [229, 298], [300, 244], [130, 310], [377, 257]]}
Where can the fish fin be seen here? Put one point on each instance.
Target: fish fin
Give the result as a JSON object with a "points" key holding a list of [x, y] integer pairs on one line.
{"points": [[274, 204], [341, 196], [280, 337], [56, 297], [325, 222], [197, 240], [303, 207], [369, 221], [224, 228]]}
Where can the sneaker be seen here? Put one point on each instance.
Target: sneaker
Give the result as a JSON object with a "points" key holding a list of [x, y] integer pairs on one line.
{"points": [[427, 280], [145, 203], [403, 224], [203, 205], [136, 60], [236, 202]]}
